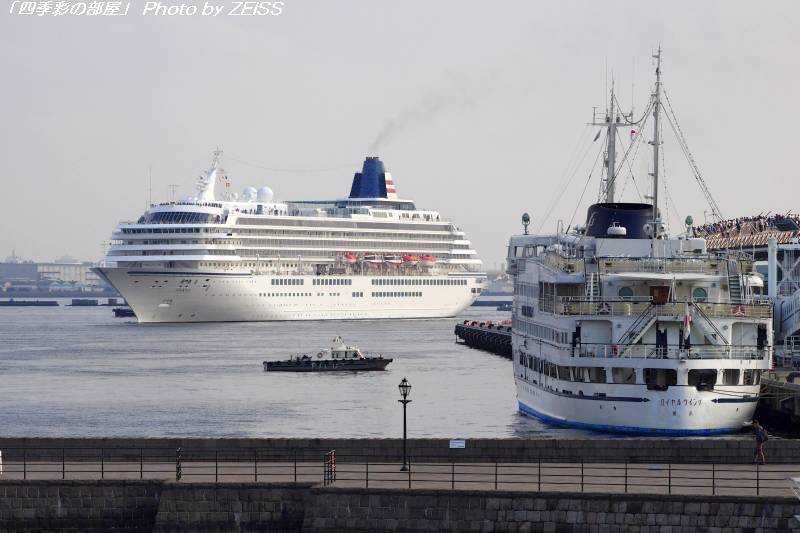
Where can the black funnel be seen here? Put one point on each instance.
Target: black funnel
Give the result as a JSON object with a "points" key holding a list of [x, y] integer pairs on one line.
{"points": [[632, 217]]}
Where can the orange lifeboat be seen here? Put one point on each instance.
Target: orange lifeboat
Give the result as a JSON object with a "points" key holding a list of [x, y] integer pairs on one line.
{"points": [[350, 257], [427, 260], [410, 260]]}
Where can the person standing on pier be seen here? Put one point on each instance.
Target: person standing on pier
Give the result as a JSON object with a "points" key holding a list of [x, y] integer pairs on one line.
{"points": [[761, 438]]}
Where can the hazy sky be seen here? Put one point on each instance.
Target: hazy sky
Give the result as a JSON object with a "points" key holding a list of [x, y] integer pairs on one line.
{"points": [[481, 108]]}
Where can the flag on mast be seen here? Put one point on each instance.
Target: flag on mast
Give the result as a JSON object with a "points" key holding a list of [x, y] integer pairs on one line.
{"points": [[687, 328]]}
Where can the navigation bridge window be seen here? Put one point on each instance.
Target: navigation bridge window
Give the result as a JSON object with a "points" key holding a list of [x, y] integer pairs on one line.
{"points": [[180, 217]]}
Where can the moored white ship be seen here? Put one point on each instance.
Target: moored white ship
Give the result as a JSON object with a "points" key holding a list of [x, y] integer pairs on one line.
{"points": [[252, 258], [619, 327]]}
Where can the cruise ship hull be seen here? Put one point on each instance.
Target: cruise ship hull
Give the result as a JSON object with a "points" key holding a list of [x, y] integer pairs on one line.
{"points": [[680, 410], [197, 296]]}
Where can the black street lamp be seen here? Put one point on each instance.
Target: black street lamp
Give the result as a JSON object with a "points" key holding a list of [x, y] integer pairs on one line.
{"points": [[405, 390]]}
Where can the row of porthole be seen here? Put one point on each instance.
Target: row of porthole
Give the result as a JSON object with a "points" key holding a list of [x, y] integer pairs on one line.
{"points": [[699, 294]]}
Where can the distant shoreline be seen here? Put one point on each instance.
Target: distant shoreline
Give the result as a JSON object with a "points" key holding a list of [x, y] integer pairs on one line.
{"points": [[8, 295]]}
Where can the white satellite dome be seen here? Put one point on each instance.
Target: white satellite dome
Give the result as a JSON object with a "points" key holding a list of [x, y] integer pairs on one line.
{"points": [[265, 195], [616, 230], [249, 194]]}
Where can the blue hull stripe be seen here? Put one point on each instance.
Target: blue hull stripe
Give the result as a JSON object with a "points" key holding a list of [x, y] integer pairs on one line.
{"points": [[735, 400], [625, 429]]}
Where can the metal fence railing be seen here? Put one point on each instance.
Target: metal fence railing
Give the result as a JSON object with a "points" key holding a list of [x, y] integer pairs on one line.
{"points": [[430, 472], [87, 463], [538, 476]]}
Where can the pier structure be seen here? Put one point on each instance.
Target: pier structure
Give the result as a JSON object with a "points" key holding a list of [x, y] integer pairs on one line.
{"points": [[780, 394], [494, 338]]}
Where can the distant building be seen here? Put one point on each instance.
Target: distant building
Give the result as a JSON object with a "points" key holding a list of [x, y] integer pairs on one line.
{"points": [[64, 274], [27, 271], [68, 272]]}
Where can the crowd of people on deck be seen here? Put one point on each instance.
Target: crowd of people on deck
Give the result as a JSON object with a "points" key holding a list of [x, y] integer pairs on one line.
{"points": [[749, 225]]}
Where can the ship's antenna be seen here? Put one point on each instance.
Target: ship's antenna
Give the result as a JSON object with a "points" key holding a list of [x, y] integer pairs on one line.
{"points": [[633, 85], [612, 146], [172, 188], [656, 138], [149, 186], [610, 121]]}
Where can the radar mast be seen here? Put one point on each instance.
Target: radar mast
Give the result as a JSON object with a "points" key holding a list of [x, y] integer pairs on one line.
{"points": [[656, 140], [611, 121]]}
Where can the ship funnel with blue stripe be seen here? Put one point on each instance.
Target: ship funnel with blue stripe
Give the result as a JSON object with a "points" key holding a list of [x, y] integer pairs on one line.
{"points": [[373, 181]]}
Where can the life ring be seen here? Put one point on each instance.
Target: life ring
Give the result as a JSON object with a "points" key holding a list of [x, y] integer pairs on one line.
{"points": [[319, 355], [604, 308], [739, 311], [615, 349]]}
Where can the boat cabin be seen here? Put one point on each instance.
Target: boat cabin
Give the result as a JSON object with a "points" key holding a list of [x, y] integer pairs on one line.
{"points": [[340, 351]]}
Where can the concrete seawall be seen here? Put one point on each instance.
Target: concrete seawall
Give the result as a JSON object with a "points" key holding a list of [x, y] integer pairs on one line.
{"points": [[342, 510], [731, 450], [145, 506]]}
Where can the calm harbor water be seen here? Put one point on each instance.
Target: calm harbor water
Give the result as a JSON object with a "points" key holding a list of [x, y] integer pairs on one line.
{"points": [[80, 372]]}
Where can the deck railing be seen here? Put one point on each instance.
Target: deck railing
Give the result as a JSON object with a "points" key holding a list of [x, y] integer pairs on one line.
{"points": [[556, 261], [428, 472], [655, 265], [572, 306], [652, 351]]}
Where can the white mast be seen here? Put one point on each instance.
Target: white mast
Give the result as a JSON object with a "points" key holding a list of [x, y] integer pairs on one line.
{"points": [[656, 140], [610, 121], [611, 161], [205, 186]]}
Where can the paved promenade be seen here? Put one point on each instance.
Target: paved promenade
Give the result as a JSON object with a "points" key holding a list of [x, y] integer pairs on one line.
{"points": [[676, 479]]}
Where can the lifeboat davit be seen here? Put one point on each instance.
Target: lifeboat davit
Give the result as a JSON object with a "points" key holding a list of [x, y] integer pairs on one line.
{"points": [[350, 257], [393, 260], [427, 260], [410, 260]]}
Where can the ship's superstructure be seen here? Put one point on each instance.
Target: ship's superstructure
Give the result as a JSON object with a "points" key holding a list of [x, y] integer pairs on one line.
{"points": [[371, 255], [619, 327]]}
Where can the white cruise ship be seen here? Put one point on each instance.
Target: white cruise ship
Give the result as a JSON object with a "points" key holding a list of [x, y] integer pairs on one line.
{"points": [[249, 257], [619, 327]]}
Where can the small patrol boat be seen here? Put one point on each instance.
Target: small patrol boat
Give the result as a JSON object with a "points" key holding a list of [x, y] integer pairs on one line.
{"points": [[339, 357], [123, 312]]}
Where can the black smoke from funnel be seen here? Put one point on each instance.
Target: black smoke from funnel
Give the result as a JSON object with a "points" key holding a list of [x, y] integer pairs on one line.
{"points": [[462, 94]]}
